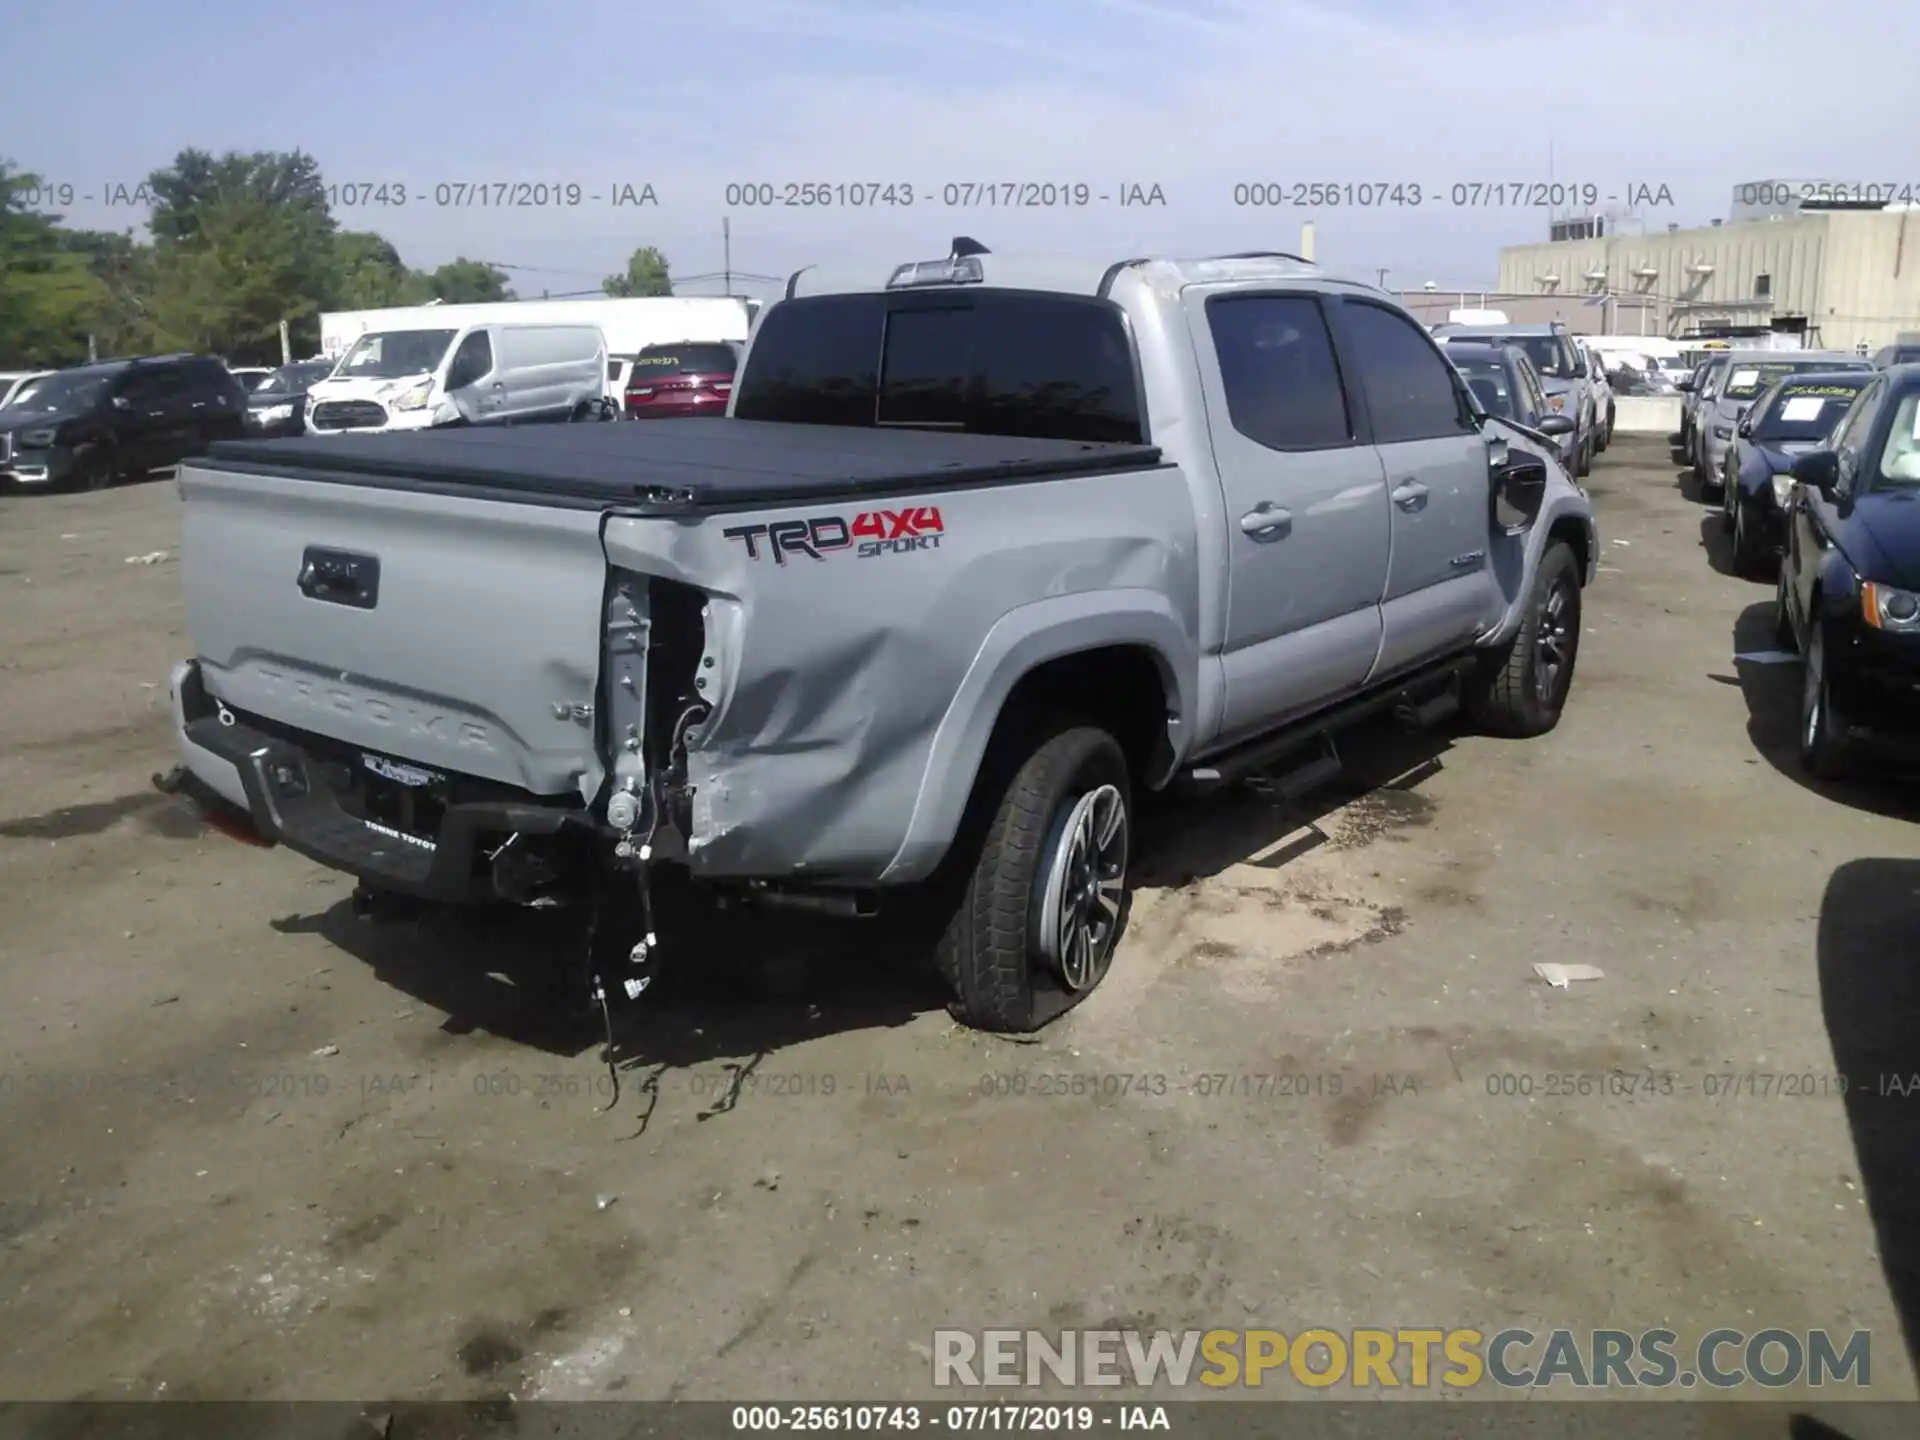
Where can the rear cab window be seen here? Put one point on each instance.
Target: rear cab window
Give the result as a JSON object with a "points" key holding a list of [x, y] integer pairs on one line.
{"points": [[995, 362], [1278, 368]]}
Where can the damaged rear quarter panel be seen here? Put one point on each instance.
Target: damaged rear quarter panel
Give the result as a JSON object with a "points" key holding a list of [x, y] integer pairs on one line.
{"points": [[833, 672]]}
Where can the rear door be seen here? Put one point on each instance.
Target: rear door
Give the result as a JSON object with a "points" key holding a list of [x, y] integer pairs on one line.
{"points": [[218, 401], [1306, 504], [159, 425], [1438, 593]]}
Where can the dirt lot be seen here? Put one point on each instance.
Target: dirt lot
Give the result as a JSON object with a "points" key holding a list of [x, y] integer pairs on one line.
{"points": [[252, 1147]]}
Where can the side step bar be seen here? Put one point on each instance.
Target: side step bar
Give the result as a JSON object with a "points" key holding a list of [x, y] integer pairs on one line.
{"points": [[1418, 700]]}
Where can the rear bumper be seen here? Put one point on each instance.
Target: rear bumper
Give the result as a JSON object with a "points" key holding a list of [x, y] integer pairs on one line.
{"points": [[292, 799]]}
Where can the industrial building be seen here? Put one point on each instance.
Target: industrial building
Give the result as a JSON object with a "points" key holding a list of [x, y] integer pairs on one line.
{"points": [[1839, 274]]}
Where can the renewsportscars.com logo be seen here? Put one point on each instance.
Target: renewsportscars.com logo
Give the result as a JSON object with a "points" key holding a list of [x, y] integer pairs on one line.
{"points": [[1368, 1359]]}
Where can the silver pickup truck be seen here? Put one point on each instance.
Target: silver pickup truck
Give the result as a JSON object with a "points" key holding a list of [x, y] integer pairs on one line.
{"points": [[985, 548]]}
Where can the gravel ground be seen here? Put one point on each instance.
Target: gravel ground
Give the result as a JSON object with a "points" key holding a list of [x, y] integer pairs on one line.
{"points": [[251, 1147]]}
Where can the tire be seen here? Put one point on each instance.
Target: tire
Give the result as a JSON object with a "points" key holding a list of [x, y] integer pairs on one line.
{"points": [[1783, 635], [1823, 746], [1605, 437], [1001, 953], [1583, 460], [93, 470], [1746, 554], [1521, 690]]}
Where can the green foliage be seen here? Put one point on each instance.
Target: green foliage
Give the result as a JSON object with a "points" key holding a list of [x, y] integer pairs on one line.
{"points": [[236, 244], [469, 282], [646, 275]]}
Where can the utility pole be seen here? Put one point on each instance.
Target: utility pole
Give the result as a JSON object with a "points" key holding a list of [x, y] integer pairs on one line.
{"points": [[726, 249], [286, 345], [1383, 277]]}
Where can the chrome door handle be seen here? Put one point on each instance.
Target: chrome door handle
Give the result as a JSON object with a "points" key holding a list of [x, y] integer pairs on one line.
{"points": [[1410, 495], [1264, 519]]}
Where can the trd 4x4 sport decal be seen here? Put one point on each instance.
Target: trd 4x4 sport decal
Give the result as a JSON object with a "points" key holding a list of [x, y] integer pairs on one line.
{"points": [[870, 533]]}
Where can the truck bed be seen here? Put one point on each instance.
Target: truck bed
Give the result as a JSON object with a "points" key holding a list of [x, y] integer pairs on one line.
{"points": [[671, 466]]}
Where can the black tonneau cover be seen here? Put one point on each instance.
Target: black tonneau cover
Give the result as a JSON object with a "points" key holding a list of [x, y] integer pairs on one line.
{"points": [[671, 466]]}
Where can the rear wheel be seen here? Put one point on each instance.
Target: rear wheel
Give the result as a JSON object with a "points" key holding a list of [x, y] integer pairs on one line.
{"points": [[1520, 691], [1583, 459], [1044, 906]]}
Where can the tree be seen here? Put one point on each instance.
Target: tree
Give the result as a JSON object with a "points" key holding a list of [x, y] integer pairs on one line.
{"points": [[646, 275], [241, 243], [469, 282], [369, 274], [49, 299]]}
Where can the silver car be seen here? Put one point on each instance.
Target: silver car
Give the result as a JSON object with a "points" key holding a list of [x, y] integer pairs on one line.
{"points": [[1738, 379], [1561, 367]]}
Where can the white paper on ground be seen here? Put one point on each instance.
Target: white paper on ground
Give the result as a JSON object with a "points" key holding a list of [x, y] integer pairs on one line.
{"points": [[1563, 976]]}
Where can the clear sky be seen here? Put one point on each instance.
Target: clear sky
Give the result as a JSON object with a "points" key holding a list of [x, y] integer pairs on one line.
{"points": [[1192, 96]]}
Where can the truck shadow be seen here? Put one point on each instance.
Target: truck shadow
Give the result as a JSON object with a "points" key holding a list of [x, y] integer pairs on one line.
{"points": [[1870, 999], [750, 983], [1186, 840], [1771, 689]]}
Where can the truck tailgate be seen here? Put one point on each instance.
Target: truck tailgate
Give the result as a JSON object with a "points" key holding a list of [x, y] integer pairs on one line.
{"points": [[452, 632]]}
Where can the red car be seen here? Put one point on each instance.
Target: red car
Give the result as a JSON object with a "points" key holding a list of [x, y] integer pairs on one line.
{"points": [[670, 381]]}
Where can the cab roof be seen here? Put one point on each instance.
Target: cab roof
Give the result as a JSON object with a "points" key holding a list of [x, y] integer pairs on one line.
{"points": [[1070, 274]]}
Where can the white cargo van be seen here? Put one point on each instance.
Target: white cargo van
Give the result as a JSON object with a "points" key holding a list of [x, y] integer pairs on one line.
{"points": [[484, 374]]}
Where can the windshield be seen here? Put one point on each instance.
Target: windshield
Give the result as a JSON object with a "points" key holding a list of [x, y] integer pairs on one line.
{"points": [[1543, 350], [1900, 461], [1746, 381], [61, 392], [394, 354], [1488, 381], [1804, 412], [294, 377]]}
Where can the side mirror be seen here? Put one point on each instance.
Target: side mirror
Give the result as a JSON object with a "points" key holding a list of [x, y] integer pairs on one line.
{"points": [[1520, 487], [1745, 426], [1685, 387], [1819, 470], [1556, 425]]}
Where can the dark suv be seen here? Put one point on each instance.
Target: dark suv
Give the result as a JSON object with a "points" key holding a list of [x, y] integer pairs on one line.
{"points": [[88, 427]]}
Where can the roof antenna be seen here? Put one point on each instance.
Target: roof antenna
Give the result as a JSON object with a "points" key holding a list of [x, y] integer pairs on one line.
{"points": [[964, 245]]}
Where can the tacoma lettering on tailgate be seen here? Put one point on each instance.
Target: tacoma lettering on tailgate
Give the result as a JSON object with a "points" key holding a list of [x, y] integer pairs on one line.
{"points": [[867, 534], [410, 719]]}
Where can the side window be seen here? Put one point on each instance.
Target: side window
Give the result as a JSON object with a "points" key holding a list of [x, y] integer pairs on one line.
{"points": [[1536, 398], [1411, 392], [475, 358], [152, 389], [1281, 376]]}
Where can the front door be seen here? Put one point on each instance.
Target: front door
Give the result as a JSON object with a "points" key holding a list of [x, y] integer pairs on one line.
{"points": [[1305, 506], [1439, 592]]}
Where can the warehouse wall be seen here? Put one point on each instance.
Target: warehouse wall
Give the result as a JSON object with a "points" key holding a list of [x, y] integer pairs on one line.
{"points": [[1853, 274]]}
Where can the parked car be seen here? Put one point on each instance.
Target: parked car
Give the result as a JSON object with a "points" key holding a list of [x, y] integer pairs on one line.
{"points": [[1793, 418], [1503, 381], [278, 406], [250, 376], [910, 629], [674, 381], [1692, 390], [1849, 590], [1603, 408], [1739, 381], [484, 374], [1561, 369], [87, 427], [12, 382], [1902, 354]]}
